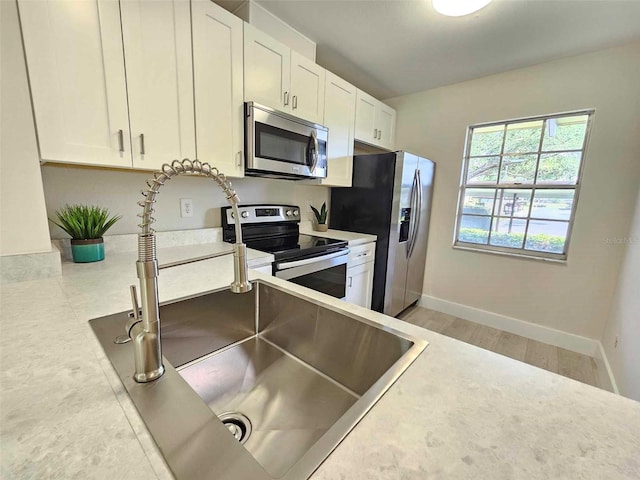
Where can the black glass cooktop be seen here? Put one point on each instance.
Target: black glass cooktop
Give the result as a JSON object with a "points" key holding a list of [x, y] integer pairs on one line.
{"points": [[295, 246]]}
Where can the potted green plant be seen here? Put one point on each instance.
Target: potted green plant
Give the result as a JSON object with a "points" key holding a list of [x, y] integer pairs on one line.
{"points": [[86, 225], [321, 217]]}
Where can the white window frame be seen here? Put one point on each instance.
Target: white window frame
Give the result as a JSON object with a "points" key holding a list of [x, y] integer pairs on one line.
{"points": [[521, 251]]}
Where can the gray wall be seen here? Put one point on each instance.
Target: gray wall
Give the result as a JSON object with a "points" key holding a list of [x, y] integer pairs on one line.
{"points": [[574, 297], [624, 322], [119, 191], [23, 222]]}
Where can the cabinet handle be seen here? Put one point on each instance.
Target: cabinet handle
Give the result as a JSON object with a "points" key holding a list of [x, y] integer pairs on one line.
{"points": [[286, 98], [142, 150], [375, 133], [379, 134], [294, 102], [121, 141], [239, 159], [350, 282]]}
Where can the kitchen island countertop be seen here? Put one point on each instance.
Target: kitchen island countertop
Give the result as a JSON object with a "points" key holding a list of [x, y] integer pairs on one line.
{"points": [[457, 412]]}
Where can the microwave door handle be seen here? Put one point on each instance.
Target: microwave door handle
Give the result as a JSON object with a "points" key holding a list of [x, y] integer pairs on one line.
{"points": [[314, 138], [307, 261]]}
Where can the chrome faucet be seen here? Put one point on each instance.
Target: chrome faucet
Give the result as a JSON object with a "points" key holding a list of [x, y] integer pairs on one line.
{"points": [[144, 328]]}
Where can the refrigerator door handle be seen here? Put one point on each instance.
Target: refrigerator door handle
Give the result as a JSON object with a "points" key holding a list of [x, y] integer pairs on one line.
{"points": [[412, 220], [418, 212]]}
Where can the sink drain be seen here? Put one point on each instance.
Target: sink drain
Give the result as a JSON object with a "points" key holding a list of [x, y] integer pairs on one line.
{"points": [[238, 424]]}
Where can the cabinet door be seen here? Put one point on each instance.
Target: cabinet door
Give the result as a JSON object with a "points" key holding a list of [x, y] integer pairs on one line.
{"points": [[76, 73], [267, 67], [360, 285], [307, 88], [339, 117], [218, 84], [157, 47], [386, 125], [366, 130]]}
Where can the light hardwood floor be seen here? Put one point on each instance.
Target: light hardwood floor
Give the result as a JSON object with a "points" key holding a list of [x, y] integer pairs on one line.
{"points": [[555, 359]]}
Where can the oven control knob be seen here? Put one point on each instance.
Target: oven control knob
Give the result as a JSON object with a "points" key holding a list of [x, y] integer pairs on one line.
{"points": [[296, 213], [289, 213], [244, 214]]}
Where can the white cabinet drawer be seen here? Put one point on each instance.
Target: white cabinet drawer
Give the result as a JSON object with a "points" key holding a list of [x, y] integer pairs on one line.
{"points": [[362, 254]]}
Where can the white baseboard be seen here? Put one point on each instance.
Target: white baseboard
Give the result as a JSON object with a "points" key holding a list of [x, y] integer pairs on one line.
{"points": [[605, 373], [551, 336]]}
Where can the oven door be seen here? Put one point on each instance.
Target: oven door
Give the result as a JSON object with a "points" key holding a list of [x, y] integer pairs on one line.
{"points": [[325, 273], [277, 143]]}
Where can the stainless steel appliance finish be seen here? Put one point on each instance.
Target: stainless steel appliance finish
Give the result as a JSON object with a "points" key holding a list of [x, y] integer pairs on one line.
{"points": [[143, 328], [301, 372], [315, 262], [283, 146], [391, 198]]}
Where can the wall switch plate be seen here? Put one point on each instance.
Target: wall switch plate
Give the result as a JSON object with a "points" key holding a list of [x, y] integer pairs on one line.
{"points": [[186, 207]]}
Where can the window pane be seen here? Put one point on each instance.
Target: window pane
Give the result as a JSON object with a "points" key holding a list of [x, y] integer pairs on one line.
{"points": [[511, 202], [474, 229], [559, 168], [565, 133], [483, 170], [486, 140], [508, 232], [518, 169], [523, 137], [552, 204], [546, 236], [478, 201]]}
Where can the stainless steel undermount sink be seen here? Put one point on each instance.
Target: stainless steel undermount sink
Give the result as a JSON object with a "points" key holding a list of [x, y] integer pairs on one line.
{"points": [[287, 376]]}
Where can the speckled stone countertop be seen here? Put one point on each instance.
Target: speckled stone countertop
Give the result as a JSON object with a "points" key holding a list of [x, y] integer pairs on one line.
{"points": [[353, 238], [458, 412]]}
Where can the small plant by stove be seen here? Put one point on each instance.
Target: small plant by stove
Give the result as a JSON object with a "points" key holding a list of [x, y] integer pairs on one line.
{"points": [[321, 217], [86, 226]]}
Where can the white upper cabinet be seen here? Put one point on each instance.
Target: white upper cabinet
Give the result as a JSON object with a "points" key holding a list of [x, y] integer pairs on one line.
{"points": [[277, 77], [307, 88], [77, 54], [157, 47], [266, 70], [217, 68], [375, 121], [339, 117], [77, 77], [366, 130], [386, 123]]}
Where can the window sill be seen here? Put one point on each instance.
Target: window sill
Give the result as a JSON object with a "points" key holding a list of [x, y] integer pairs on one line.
{"points": [[511, 254]]}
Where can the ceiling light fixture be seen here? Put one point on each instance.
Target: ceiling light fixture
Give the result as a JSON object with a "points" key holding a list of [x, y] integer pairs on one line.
{"points": [[458, 8]]}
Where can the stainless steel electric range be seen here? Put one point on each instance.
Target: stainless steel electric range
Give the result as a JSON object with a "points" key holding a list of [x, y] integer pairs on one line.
{"points": [[314, 262]]}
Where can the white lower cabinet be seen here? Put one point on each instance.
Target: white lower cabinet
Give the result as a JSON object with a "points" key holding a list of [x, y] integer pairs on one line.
{"points": [[360, 275]]}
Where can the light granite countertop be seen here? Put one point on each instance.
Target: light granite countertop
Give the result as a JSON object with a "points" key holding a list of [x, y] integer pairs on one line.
{"points": [[458, 412], [353, 238]]}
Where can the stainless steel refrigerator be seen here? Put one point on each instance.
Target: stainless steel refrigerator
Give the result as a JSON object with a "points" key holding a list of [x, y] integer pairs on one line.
{"points": [[390, 198]]}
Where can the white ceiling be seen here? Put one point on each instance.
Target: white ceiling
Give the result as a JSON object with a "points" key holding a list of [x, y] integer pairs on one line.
{"points": [[395, 47]]}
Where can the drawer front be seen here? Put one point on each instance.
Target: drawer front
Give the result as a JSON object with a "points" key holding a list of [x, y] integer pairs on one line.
{"points": [[362, 254]]}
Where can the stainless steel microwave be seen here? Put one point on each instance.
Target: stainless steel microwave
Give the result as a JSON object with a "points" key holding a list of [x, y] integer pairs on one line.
{"points": [[280, 145]]}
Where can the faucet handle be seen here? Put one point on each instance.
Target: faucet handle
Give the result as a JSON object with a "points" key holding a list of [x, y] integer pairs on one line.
{"points": [[134, 317], [134, 302]]}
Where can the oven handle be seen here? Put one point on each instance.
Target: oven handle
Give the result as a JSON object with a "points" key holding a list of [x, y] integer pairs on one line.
{"points": [[308, 261]]}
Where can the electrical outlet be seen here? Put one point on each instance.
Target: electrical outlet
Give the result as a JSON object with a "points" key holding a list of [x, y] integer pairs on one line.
{"points": [[186, 207], [615, 343]]}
